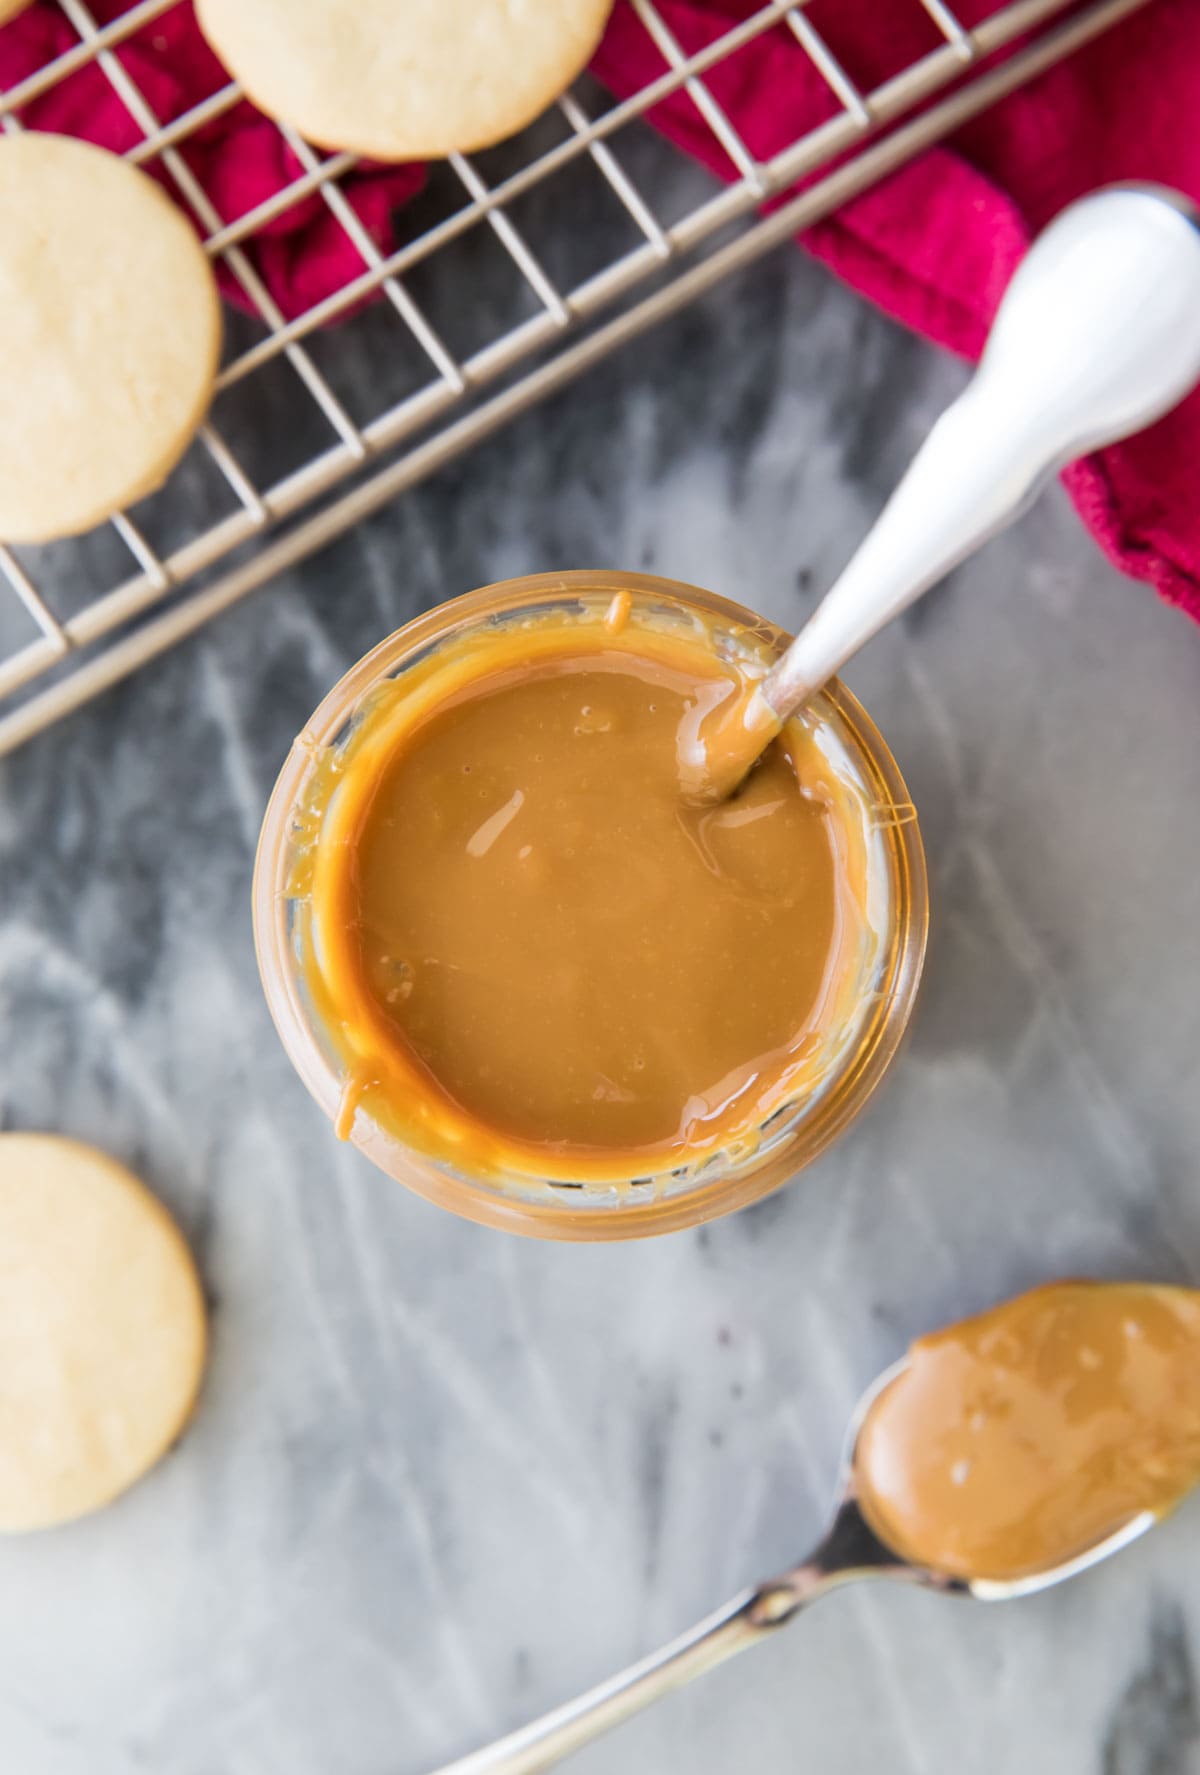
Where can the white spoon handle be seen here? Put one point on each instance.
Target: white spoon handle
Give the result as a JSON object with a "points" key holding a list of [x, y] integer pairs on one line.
{"points": [[1097, 335]]}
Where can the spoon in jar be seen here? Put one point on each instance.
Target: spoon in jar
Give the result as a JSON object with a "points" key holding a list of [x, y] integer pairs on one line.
{"points": [[1097, 335], [1080, 1378]]}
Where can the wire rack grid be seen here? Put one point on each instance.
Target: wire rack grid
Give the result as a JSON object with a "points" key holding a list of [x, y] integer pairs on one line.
{"points": [[144, 592]]}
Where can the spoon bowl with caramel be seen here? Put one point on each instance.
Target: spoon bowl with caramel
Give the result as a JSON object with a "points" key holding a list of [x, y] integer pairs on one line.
{"points": [[1001, 1456]]}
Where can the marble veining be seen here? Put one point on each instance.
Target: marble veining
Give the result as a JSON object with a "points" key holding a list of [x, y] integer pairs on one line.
{"points": [[442, 1478]]}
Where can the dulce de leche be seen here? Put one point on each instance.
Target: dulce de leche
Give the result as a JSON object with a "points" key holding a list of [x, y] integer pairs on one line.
{"points": [[536, 952], [1021, 1438]]}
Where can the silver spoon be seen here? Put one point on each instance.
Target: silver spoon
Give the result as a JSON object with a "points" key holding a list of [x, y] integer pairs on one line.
{"points": [[1097, 335], [848, 1550]]}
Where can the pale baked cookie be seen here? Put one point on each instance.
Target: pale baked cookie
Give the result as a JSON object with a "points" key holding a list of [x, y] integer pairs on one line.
{"points": [[102, 1330], [404, 79], [10, 9], [110, 333]]}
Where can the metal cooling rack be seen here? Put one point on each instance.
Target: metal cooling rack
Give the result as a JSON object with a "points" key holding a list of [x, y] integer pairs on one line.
{"points": [[141, 594]]}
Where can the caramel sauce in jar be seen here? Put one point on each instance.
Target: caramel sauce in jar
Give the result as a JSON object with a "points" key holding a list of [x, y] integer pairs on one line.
{"points": [[532, 961]]}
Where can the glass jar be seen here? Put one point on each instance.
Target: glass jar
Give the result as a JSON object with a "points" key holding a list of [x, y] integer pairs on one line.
{"points": [[860, 1049]]}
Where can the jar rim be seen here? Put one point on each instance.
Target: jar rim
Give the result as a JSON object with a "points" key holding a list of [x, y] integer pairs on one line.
{"points": [[627, 1209]]}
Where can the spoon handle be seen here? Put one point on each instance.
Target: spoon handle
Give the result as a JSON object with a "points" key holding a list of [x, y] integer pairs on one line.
{"points": [[849, 1550], [536, 1746], [1097, 335]]}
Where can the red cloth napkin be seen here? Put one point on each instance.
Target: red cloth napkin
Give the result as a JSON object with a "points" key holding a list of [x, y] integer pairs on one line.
{"points": [[934, 244]]}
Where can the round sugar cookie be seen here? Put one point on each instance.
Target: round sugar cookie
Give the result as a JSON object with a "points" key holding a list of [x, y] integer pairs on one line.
{"points": [[110, 334], [102, 1330], [404, 79]]}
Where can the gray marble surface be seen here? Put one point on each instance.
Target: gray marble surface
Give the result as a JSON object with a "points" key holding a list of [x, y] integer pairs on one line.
{"points": [[441, 1477]]}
